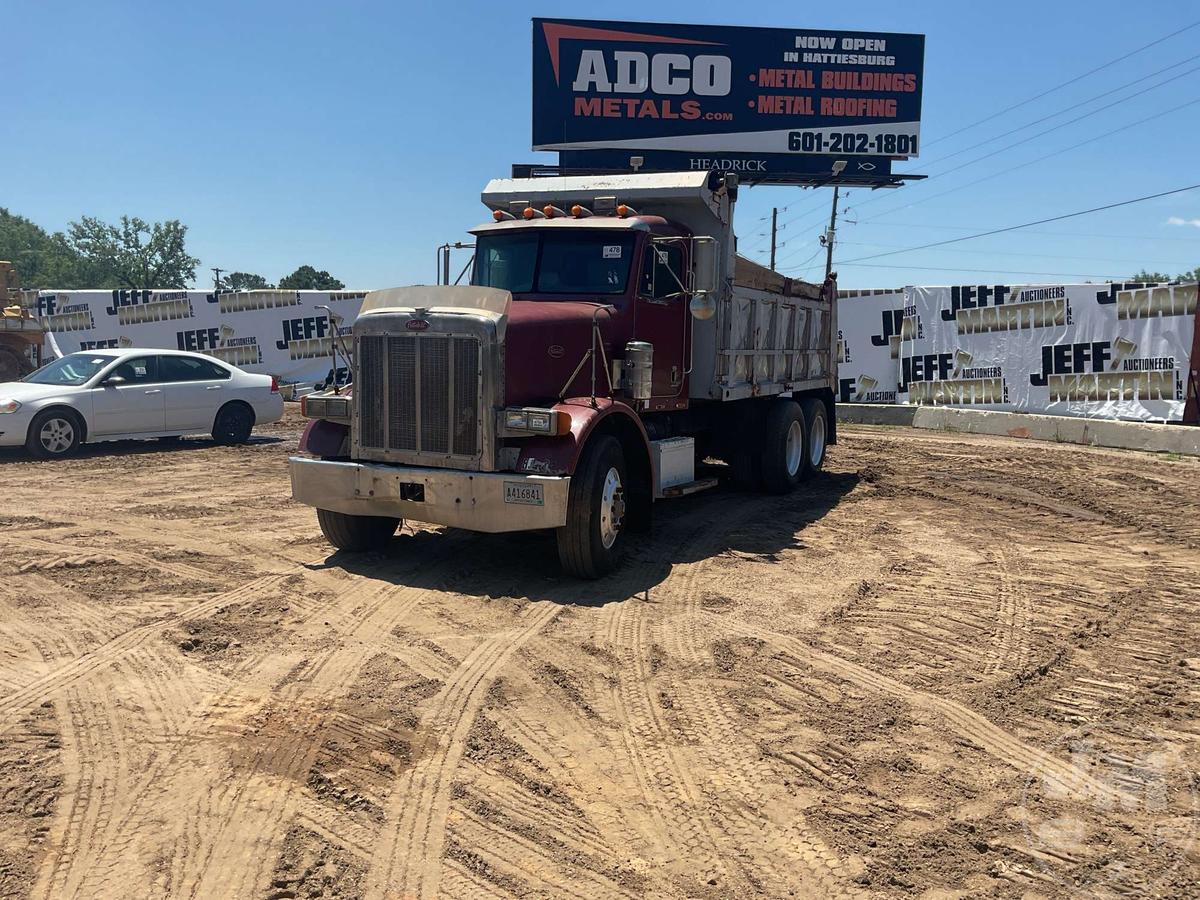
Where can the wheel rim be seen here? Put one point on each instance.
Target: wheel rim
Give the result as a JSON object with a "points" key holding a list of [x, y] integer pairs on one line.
{"points": [[612, 508], [57, 435], [794, 450], [816, 450]]}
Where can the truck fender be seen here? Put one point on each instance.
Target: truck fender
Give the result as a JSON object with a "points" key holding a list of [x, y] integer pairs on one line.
{"points": [[560, 455], [324, 438]]}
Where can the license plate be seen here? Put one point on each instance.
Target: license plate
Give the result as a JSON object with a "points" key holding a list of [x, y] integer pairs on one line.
{"points": [[519, 492]]}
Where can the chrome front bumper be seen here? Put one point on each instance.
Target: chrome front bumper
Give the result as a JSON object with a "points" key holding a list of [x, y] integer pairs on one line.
{"points": [[477, 501]]}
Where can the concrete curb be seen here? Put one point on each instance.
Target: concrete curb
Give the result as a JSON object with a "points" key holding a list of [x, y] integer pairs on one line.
{"points": [[875, 414], [1182, 439]]}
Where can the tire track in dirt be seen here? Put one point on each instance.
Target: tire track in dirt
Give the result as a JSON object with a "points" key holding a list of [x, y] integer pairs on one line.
{"points": [[789, 852], [104, 857], [82, 667], [1009, 650], [530, 862], [965, 722], [182, 570], [256, 809], [413, 837]]}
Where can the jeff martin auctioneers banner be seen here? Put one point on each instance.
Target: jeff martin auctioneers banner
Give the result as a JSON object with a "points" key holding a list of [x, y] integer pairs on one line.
{"points": [[273, 332], [1112, 351]]}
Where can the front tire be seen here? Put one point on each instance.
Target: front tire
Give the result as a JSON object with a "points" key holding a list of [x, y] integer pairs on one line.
{"points": [[233, 424], [54, 434], [357, 534], [591, 543], [784, 447]]}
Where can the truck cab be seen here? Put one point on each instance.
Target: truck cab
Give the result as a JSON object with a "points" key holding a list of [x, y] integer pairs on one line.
{"points": [[610, 337]]}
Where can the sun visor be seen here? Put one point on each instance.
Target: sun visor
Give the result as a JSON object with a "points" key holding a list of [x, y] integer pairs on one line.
{"points": [[465, 299]]}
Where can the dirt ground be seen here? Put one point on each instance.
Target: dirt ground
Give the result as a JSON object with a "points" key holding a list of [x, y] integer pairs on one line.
{"points": [[952, 666]]}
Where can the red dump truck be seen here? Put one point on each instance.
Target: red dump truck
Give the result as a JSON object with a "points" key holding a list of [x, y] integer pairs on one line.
{"points": [[610, 338]]}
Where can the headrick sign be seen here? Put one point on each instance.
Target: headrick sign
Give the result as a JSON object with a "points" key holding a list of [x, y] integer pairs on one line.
{"points": [[638, 86]]}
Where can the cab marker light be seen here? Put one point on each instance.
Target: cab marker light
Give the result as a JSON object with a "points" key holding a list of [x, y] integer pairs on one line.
{"points": [[531, 213], [580, 212], [623, 211], [551, 211], [502, 216]]}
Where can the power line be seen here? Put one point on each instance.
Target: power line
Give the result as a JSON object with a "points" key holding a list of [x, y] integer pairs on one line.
{"points": [[1138, 262], [1094, 112], [1073, 215], [1087, 234], [815, 254], [1040, 134], [1066, 109], [981, 271], [1064, 84], [1098, 137]]}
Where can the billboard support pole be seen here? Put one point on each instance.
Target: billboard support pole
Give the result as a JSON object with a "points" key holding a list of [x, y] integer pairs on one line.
{"points": [[831, 233]]}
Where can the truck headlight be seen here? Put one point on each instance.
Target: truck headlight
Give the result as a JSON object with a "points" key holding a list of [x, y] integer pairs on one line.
{"points": [[9, 406], [319, 407], [536, 421]]}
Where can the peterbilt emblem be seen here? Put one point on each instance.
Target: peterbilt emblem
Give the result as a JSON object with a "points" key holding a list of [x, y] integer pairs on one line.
{"points": [[416, 325], [555, 351]]}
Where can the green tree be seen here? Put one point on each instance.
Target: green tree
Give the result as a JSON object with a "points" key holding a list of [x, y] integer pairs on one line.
{"points": [[43, 260], [244, 281], [133, 254], [306, 278], [1145, 276]]}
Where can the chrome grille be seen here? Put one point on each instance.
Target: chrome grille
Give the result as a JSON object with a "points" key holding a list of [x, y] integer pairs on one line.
{"points": [[419, 394], [466, 411], [371, 390]]}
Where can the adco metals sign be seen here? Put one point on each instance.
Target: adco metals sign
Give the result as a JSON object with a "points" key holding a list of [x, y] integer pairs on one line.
{"points": [[638, 86]]}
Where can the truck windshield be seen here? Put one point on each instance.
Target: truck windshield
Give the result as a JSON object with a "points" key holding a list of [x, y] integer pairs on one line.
{"points": [[76, 368], [563, 262]]}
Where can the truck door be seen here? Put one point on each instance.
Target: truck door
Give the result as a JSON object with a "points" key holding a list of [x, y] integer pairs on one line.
{"points": [[663, 320]]}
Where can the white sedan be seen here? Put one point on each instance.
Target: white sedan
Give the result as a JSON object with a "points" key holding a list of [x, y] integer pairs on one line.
{"points": [[112, 395]]}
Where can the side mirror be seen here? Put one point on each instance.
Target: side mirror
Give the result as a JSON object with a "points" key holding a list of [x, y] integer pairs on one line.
{"points": [[113, 380]]}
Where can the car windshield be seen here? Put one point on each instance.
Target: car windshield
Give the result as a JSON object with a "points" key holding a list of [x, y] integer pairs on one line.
{"points": [[563, 262], [76, 368]]}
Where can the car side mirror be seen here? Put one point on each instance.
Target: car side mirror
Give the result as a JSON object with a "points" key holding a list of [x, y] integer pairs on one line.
{"points": [[114, 380]]}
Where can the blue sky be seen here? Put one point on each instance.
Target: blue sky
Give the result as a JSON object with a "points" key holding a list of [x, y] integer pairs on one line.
{"points": [[356, 137]]}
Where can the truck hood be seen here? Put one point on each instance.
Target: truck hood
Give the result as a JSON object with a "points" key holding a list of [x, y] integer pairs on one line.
{"points": [[545, 342]]}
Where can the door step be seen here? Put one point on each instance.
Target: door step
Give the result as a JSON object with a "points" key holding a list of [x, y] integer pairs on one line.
{"points": [[692, 487]]}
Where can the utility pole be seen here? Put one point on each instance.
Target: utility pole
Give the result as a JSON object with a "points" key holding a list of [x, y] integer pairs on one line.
{"points": [[829, 235], [217, 279], [774, 219]]}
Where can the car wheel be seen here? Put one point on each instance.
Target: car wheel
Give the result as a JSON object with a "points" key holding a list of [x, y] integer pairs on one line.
{"points": [[356, 534], [590, 544], [54, 433], [784, 447], [233, 425]]}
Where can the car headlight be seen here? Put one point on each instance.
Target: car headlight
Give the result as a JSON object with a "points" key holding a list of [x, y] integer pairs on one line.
{"points": [[9, 406], [537, 421]]}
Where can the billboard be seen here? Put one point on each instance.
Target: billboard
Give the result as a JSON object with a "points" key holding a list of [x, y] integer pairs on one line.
{"points": [[719, 90]]}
